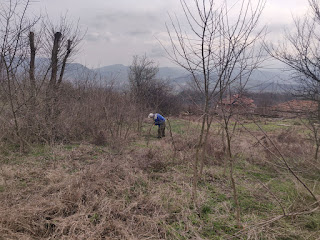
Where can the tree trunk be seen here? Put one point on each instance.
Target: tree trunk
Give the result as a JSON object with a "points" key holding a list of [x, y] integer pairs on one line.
{"points": [[32, 69], [50, 93], [197, 158], [235, 194]]}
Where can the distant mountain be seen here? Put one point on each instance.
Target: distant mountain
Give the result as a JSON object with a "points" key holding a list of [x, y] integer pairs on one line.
{"points": [[269, 81], [172, 73], [116, 72], [260, 80], [120, 72]]}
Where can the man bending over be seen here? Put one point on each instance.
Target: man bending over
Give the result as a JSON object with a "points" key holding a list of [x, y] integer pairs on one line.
{"points": [[161, 122]]}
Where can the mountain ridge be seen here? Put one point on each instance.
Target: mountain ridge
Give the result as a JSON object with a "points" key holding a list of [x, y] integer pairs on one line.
{"points": [[261, 80]]}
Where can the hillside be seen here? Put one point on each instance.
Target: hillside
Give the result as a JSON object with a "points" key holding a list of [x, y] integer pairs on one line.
{"points": [[140, 188]]}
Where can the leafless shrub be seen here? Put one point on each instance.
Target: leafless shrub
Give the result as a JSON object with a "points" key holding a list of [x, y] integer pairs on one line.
{"points": [[185, 143], [151, 160]]}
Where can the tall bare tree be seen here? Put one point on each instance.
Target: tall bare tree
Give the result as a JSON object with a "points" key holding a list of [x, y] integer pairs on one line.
{"points": [[59, 44], [217, 49]]}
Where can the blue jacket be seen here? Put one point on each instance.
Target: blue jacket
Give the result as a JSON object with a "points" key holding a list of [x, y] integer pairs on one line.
{"points": [[158, 119]]}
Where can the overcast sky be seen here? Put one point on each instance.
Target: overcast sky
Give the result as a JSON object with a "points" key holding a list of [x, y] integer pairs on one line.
{"points": [[119, 29]]}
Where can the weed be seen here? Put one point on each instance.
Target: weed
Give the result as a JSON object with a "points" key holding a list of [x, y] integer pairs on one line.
{"points": [[23, 183], [195, 220], [94, 218]]}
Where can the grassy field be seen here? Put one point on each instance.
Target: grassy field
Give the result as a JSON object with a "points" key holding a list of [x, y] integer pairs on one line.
{"points": [[140, 188]]}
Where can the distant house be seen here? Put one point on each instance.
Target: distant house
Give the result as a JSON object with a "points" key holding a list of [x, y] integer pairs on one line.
{"points": [[295, 108], [238, 104]]}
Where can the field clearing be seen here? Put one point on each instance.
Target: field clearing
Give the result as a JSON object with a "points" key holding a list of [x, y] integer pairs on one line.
{"points": [[141, 189]]}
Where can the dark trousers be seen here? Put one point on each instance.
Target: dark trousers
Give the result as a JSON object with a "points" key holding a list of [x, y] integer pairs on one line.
{"points": [[161, 130]]}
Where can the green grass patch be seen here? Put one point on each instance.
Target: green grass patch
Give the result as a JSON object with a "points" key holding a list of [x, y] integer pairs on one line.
{"points": [[178, 126], [251, 204], [254, 172], [285, 189], [177, 230], [139, 145], [262, 176], [40, 150], [195, 220], [267, 126], [139, 185], [70, 146], [221, 226], [215, 195]]}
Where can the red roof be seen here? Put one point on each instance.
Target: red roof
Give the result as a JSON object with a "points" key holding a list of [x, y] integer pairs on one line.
{"points": [[238, 100], [296, 106]]}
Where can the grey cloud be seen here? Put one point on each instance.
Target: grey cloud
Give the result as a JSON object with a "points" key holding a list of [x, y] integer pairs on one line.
{"points": [[123, 28], [121, 20], [119, 16], [139, 32], [157, 51], [276, 31], [98, 37], [126, 26]]}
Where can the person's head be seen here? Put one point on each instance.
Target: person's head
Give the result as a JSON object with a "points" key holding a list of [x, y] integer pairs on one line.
{"points": [[151, 115]]}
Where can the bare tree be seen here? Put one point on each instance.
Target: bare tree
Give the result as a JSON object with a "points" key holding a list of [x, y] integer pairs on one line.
{"points": [[14, 30], [142, 73], [217, 49], [24, 84], [300, 52], [60, 42]]}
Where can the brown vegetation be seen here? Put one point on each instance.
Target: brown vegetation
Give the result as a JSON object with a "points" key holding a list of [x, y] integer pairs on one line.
{"points": [[144, 192], [79, 160]]}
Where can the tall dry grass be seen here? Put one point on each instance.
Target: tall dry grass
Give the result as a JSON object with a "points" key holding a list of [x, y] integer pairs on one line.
{"points": [[144, 191]]}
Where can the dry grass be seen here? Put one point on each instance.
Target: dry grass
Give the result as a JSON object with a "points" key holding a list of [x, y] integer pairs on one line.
{"points": [[143, 191], [78, 195]]}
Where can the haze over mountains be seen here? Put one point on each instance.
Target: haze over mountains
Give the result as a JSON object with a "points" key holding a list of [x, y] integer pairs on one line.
{"points": [[261, 80]]}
